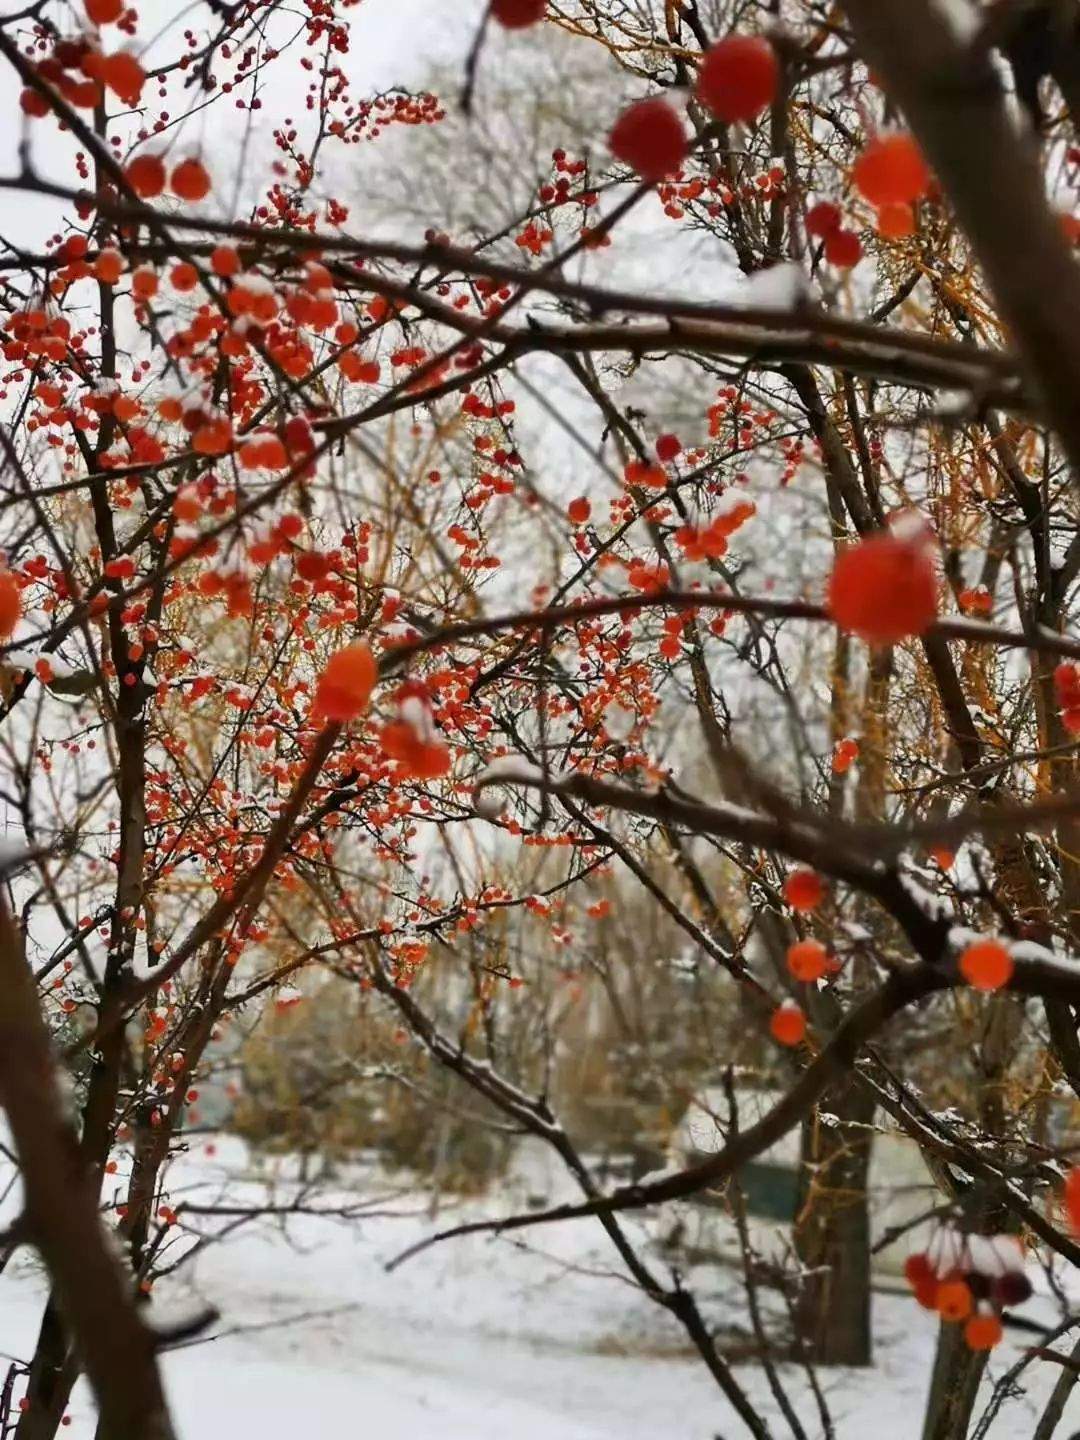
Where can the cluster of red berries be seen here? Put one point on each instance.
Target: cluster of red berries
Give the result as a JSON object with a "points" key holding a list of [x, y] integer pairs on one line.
{"points": [[808, 960], [892, 174], [81, 73], [969, 1280], [737, 80], [147, 176], [711, 541], [412, 740], [1067, 691], [841, 247]]}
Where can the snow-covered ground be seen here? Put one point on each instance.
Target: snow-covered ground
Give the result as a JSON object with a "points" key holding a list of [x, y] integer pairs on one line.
{"points": [[476, 1339]]}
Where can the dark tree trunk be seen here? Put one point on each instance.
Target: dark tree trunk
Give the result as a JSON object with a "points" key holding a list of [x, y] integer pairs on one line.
{"points": [[832, 1230]]}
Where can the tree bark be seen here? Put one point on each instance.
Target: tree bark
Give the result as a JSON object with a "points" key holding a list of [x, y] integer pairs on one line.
{"points": [[61, 1213], [832, 1229], [954, 1383]]}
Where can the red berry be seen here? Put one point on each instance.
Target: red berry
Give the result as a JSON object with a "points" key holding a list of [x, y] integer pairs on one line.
{"points": [[123, 75], [986, 965], [1072, 1197], [822, 219], [804, 889], [650, 138], [668, 448], [190, 180], [1012, 1289], [738, 78], [983, 1332], [104, 12], [579, 510], [884, 589], [954, 1300], [517, 14], [918, 1270], [10, 603], [843, 248], [33, 103], [224, 261], [146, 175], [891, 170], [346, 683], [788, 1024], [895, 221], [807, 960]]}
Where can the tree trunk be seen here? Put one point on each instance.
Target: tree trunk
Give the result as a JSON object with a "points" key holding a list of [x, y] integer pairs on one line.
{"points": [[832, 1230], [954, 1384]]}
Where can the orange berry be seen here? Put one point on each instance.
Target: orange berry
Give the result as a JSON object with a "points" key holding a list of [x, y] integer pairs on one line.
{"points": [[954, 1300], [187, 505], [891, 170], [895, 221], [183, 277], [788, 1024], [804, 889], [224, 261], [109, 266], [884, 589], [190, 180], [844, 756], [986, 965], [416, 758], [983, 1332], [807, 960], [579, 510], [10, 603], [144, 283], [944, 857], [146, 175], [738, 78], [123, 75], [346, 683], [213, 438]]}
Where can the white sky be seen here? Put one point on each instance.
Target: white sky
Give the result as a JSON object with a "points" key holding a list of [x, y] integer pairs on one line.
{"points": [[394, 43]]}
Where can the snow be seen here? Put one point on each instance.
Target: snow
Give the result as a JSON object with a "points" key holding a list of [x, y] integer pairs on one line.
{"points": [[509, 770], [783, 287], [478, 1338]]}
